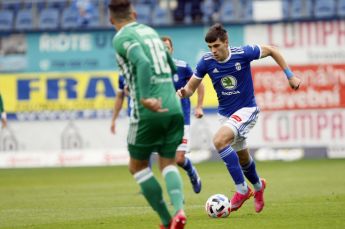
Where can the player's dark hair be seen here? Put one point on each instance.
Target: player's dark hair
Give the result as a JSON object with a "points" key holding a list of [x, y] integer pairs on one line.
{"points": [[167, 38], [216, 31], [120, 9]]}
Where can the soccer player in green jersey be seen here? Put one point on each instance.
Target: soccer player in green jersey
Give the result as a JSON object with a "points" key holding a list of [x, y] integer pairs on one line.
{"points": [[156, 120], [2, 113]]}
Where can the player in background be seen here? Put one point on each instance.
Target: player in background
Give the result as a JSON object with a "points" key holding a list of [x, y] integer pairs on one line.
{"points": [[121, 93], [184, 73], [156, 122], [3, 114], [229, 70]]}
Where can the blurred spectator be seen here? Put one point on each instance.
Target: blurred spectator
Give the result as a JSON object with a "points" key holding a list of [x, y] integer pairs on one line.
{"points": [[180, 11], [86, 11]]}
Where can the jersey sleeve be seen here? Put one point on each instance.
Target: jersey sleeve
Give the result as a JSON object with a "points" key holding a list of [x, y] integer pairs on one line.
{"points": [[200, 70], [129, 48], [1, 105], [188, 71], [252, 52], [121, 83]]}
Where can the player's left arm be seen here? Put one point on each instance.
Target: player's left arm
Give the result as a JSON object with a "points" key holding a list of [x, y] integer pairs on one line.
{"points": [[267, 50], [198, 112]]}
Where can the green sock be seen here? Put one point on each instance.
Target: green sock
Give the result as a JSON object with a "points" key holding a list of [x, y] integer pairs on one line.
{"points": [[152, 191], [174, 186]]}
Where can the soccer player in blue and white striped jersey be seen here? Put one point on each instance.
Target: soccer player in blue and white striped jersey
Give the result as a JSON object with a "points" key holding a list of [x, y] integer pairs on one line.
{"points": [[229, 70]]}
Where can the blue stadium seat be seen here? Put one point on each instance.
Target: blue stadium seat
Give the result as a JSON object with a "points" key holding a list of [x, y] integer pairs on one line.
{"points": [[286, 9], [324, 8], [161, 16], [341, 8], [69, 18], [143, 13], [24, 20], [227, 12], [11, 5], [49, 19], [247, 7], [6, 20], [94, 20], [301, 9], [57, 4], [208, 9]]}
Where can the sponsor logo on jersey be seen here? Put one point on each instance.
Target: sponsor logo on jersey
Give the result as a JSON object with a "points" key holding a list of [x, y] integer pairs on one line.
{"points": [[236, 118], [215, 70], [238, 66], [229, 82], [230, 92]]}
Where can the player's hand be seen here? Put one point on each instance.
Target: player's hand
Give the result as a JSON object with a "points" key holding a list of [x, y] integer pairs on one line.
{"points": [[295, 82], [198, 112], [126, 90], [153, 104], [4, 123], [113, 127], [182, 93]]}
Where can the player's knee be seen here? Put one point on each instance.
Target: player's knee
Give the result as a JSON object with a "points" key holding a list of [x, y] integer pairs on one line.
{"points": [[180, 158], [219, 142]]}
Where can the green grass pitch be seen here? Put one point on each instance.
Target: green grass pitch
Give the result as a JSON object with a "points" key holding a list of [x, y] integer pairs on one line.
{"points": [[302, 194]]}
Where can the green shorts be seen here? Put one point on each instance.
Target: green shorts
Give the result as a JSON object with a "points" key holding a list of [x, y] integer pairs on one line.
{"points": [[161, 135]]}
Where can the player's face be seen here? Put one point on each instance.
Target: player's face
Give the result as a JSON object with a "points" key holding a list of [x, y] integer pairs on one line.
{"points": [[168, 45], [219, 49]]}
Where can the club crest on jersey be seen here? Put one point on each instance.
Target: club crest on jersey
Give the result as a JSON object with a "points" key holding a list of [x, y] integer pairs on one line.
{"points": [[238, 66], [175, 78], [229, 82]]}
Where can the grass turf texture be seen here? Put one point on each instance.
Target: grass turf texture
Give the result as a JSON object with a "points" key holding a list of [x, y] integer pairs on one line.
{"points": [[302, 194]]}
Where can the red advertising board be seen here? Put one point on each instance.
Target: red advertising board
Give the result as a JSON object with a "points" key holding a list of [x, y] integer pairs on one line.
{"points": [[322, 87]]}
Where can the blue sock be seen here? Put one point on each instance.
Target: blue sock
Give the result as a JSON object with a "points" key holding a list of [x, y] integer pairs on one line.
{"points": [[249, 171], [188, 167], [230, 158]]}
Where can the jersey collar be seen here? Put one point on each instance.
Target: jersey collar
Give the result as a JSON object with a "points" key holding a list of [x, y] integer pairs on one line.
{"points": [[128, 25], [228, 58]]}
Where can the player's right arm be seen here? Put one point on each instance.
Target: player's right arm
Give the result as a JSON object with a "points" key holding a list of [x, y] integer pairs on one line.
{"points": [[133, 51], [189, 89], [117, 108]]}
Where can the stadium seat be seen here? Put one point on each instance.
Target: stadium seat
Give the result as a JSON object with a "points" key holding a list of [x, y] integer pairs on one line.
{"points": [[6, 20], [324, 8], [247, 7], [57, 4], [208, 9], [286, 9], [49, 19], [301, 9], [11, 5], [227, 12], [69, 18], [94, 20], [24, 20], [161, 16], [143, 13], [341, 8]]}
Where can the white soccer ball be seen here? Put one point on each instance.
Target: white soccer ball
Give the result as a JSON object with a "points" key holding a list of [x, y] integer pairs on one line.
{"points": [[218, 206]]}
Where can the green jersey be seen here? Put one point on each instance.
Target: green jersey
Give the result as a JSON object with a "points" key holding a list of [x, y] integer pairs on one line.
{"points": [[147, 68], [1, 105]]}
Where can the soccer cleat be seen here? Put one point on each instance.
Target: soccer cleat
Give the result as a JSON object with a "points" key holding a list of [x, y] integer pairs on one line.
{"points": [[196, 181], [259, 197], [179, 220], [238, 199]]}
